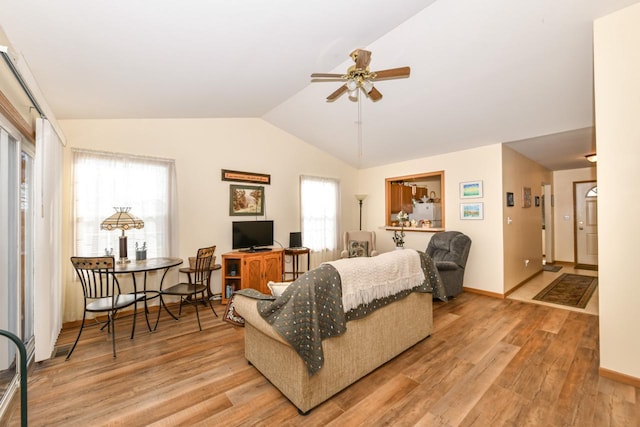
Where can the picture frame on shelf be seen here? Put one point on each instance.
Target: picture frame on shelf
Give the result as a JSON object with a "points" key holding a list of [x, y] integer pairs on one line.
{"points": [[471, 190], [472, 210], [247, 200]]}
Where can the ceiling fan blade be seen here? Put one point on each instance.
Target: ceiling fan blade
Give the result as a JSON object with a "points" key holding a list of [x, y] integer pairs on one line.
{"points": [[342, 89], [327, 80], [374, 94], [393, 73], [361, 57], [330, 75]]}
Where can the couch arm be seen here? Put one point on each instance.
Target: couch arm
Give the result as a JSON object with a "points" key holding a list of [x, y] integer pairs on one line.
{"points": [[247, 308]]}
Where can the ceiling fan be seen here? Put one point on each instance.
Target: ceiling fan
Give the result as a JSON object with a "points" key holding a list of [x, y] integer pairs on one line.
{"points": [[359, 76]]}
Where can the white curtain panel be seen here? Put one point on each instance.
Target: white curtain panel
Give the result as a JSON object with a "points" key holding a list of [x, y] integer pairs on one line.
{"points": [[319, 200], [48, 235]]}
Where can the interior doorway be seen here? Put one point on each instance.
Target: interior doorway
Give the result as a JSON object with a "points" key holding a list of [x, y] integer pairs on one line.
{"points": [[585, 196]]}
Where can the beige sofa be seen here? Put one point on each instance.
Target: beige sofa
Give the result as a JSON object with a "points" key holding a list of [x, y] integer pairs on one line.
{"points": [[368, 343]]}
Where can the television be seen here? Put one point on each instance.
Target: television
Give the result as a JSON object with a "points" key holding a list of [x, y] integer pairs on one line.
{"points": [[252, 236]]}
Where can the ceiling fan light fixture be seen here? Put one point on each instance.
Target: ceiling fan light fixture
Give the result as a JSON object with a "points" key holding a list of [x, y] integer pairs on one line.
{"points": [[353, 95], [367, 85], [352, 85]]}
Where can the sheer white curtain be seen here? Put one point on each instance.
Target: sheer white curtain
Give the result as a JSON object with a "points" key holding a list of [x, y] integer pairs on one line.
{"points": [[319, 200], [48, 247], [103, 181]]}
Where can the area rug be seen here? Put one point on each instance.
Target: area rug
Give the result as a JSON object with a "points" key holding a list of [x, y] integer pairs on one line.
{"points": [[586, 267], [554, 268], [573, 290]]}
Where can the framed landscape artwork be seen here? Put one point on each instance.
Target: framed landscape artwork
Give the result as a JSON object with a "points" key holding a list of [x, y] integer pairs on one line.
{"points": [[471, 189], [471, 211], [246, 200]]}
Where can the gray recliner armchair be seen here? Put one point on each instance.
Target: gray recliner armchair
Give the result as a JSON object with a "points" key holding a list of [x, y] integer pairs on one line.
{"points": [[450, 250]]}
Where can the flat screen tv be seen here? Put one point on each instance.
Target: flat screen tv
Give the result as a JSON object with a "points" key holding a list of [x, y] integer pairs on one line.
{"points": [[252, 235]]}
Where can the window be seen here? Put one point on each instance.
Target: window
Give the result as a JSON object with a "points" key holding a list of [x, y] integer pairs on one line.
{"points": [[319, 207], [103, 181]]}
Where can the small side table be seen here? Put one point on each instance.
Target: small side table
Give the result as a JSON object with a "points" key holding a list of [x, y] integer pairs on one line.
{"points": [[295, 253], [189, 270]]}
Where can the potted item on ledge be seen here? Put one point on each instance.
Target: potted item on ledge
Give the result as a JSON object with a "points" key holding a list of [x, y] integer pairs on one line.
{"points": [[398, 238]]}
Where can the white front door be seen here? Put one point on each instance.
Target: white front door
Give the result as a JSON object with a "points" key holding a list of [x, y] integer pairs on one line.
{"points": [[586, 226]]}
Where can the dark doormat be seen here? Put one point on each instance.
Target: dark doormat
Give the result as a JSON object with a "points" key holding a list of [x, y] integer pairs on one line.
{"points": [[586, 267], [573, 290], [549, 267]]}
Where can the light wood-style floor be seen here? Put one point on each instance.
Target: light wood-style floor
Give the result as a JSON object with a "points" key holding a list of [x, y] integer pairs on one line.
{"points": [[489, 362], [537, 283]]}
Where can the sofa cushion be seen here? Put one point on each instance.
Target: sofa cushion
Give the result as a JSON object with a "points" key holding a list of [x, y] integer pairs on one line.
{"points": [[358, 248], [277, 288]]}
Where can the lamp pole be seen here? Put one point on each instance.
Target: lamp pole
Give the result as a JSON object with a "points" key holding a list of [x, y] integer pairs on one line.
{"points": [[360, 198]]}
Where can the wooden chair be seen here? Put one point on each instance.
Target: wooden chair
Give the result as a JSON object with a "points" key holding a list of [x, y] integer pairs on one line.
{"points": [[102, 293], [196, 289]]}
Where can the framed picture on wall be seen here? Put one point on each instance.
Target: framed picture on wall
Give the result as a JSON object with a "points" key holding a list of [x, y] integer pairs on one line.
{"points": [[471, 189], [471, 211], [510, 200], [246, 200], [526, 197]]}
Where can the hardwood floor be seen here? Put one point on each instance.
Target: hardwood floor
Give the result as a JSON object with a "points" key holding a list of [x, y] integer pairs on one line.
{"points": [[489, 362]]}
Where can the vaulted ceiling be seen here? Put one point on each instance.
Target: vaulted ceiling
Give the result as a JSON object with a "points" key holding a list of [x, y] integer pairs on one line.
{"points": [[484, 72]]}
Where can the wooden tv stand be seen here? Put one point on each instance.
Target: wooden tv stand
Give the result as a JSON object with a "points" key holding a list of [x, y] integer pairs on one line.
{"points": [[241, 270]]}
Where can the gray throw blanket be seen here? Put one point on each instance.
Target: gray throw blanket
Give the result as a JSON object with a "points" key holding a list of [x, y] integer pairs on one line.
{"points": [[311, 309]]}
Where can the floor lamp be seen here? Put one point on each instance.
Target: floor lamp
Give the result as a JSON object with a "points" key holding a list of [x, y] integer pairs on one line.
{"points": [[360, 198], [122, 220]]}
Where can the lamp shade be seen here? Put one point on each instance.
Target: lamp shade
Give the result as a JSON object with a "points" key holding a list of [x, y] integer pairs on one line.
{"points": [[122, 220]]}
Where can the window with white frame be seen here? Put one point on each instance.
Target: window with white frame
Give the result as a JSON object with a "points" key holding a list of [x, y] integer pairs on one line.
{"points": [[319, 199], [104, 181]]}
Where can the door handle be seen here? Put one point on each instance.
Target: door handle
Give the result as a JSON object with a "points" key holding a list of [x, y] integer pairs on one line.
{"points": [[580, 225]]}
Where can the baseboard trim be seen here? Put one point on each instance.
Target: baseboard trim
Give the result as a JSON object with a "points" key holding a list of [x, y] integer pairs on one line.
{"points": [[483, 292], [518, 285], [619, 377]]}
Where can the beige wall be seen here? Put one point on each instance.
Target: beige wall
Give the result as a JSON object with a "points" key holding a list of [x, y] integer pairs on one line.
{"points": [[484, 267], [564, 212], [522, 234], [201, 148], [617, 101]]}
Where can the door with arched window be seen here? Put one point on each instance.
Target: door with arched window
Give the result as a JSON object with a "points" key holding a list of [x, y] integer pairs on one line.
{"points": [[586, 223]]}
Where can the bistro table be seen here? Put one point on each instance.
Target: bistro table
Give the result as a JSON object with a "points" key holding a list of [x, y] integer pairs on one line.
{"points": [[145, 266]]}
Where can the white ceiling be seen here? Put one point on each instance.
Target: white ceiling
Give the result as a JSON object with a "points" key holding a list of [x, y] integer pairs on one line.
{"points": [[482, 72]]}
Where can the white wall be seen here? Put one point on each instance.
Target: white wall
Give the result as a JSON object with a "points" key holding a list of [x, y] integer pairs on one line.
{"points": [[484, 267], [201, 148], [564, 212], [617, 101]]}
